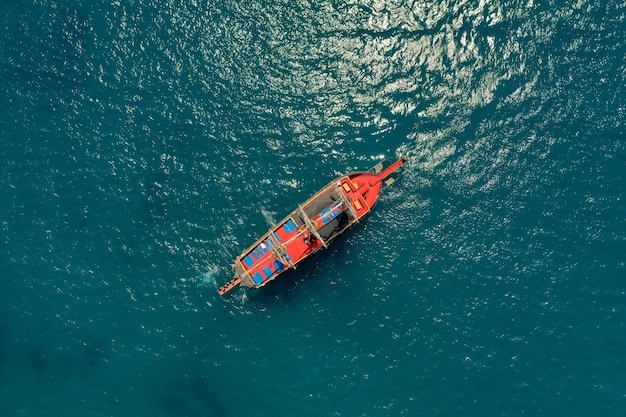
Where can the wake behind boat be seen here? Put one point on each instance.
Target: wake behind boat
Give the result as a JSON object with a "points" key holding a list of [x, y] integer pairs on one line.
{"points": [[313, 225]]}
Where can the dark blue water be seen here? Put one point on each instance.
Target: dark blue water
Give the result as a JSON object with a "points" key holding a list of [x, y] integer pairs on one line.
{"points": [[144, 144]]}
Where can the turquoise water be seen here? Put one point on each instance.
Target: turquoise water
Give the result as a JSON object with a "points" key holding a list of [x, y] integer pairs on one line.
{"points": [[145, 144]]}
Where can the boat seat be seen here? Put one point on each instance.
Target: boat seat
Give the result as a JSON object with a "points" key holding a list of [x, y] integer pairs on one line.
{"points": [[289, 226], [346, 187], [357, 204], [268, 272], [248, 261], [257, 278], [328, 209], [278, 265], [330, 217]]}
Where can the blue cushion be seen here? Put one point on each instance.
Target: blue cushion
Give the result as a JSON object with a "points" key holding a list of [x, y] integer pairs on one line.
{"points": [[278, 265], [289, 226], [335, 212], [329, 208], [248, 261], [268, 272], [257, 278]]}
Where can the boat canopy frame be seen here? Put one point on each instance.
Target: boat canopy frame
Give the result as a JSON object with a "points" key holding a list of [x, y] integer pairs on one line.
{"points": [[347, 203], [309, 225], [278, 249]]}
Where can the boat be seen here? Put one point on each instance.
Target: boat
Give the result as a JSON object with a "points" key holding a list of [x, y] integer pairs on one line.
{"points": [[335, 208]]}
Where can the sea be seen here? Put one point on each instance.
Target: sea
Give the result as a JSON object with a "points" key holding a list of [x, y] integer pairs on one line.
{"points": [[144, 144]]}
